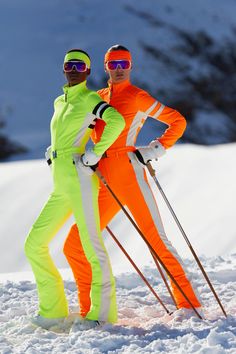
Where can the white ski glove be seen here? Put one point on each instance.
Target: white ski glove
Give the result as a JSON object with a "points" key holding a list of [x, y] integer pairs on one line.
{"points": [[88, 162], [89, 158], [48, 155], [151, 152]]}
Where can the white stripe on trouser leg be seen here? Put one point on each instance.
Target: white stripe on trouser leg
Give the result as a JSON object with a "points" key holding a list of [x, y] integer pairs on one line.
{"points": [[151, 203], [90, 219]]}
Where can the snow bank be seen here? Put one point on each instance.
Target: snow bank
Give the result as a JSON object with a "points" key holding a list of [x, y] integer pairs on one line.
{"points": [[198, 181], [143, 326]]}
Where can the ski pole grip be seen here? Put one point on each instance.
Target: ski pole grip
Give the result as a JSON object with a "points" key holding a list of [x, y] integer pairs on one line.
{"points": [[100, 176], [150, 169]]}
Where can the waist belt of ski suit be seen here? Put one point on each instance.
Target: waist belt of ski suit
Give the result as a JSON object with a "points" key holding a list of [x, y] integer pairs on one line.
{"points": [[118, 152], [65, 153]]}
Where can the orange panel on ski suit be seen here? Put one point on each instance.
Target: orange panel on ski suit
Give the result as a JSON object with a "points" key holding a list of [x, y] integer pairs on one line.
{"points": [[128, 180]]}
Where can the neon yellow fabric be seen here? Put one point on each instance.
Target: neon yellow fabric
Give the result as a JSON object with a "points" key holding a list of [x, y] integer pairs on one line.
{"points": [[78, 56], [73, 106], [74, 192]]}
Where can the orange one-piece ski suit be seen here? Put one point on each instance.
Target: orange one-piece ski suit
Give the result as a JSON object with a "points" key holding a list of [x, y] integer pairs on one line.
{"points": [[127, 178]]}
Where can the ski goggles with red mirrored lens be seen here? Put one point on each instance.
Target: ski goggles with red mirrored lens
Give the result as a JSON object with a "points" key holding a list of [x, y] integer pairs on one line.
{"points": [[123, 64], [79, 66]]}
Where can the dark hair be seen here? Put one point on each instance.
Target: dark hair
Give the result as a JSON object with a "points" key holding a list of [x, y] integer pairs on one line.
{"points": [[117, 47], [78, 50]]}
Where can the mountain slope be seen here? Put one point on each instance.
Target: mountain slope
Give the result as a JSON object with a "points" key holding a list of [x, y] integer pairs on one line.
{"points": [[183, 53]]}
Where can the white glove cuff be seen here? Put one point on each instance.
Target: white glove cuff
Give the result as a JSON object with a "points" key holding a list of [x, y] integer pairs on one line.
{"points": [[89, 158], [48, 153], [159, 148]]}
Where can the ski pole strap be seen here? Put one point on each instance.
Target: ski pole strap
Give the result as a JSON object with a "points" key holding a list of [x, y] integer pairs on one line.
{"points": [[49, 162], [139, 157]]}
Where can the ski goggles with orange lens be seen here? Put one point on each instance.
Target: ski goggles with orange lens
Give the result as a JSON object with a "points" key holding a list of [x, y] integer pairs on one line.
{"points": [[123, 64], [79, 66]]}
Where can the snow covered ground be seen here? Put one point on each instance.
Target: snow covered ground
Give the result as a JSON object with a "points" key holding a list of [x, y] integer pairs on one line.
{"points": [[143, 327], [200, 184]]}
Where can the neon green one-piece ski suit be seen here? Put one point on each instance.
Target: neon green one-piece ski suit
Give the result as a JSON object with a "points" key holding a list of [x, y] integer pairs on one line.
{"points": [[74, 192]]}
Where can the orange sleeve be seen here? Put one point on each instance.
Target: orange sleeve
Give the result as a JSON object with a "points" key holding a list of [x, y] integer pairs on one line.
{"points": [[155, 109], [100, 124], [102, 93]]}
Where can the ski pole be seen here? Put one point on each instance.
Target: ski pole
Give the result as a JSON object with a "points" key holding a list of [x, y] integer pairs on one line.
{"points": [[163, 278], [144, 239], [141, 275], [153, 175], [137, 269]]}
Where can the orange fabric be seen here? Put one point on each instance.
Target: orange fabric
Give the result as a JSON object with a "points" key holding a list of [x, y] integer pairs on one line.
{"points": [[117, 55], [130, 195], [121, 176], [129, 100], [81, 269]]}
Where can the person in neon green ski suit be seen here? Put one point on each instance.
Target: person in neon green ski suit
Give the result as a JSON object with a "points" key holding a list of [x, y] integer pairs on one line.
{"points": [[75, 191]]}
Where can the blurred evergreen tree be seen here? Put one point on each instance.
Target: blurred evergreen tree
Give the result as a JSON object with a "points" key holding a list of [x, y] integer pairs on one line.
{"points": [[7, 146]]}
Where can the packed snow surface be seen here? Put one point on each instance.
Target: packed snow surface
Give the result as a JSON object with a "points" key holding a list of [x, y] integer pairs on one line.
{"points": [[143, 326]]}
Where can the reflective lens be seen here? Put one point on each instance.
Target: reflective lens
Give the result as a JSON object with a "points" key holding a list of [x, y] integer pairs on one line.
{"points": [[122, 64], [79, 66]]}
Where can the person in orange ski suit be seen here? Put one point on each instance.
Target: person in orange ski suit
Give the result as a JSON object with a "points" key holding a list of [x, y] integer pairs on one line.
{"points": [[126, 176]]}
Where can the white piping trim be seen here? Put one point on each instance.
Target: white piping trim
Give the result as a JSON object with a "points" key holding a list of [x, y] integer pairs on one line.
{"points": [[148, 111], [137, 121], [159, 111]]}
